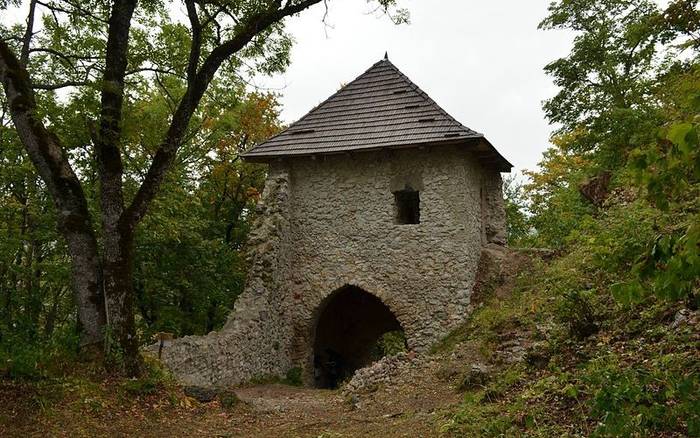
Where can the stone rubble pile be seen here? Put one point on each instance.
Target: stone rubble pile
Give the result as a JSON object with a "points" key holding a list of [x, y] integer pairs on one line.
{"points": [[382, 372]]}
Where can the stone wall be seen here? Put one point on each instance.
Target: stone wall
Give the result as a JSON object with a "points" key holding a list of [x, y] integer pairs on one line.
{"points": [[493, 211], [343, 210], [330, 222], [255, 340]]}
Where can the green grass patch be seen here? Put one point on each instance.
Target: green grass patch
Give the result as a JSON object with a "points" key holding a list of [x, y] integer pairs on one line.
{"points": [[634, 375]]}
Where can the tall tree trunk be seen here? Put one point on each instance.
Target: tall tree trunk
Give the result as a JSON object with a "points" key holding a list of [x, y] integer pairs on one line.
{"points": [[86, 278], [74, 221], [118, 255], [118, 224], [118, 241]]}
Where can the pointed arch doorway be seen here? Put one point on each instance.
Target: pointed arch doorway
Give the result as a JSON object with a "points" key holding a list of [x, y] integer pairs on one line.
{"points": [[350, 332]]}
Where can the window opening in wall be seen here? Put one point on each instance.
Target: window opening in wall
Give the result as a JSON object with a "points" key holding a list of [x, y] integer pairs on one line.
{"points": [[407, 203]]}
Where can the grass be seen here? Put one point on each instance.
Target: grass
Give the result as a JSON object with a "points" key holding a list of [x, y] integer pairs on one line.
{"points": [[636, 376]]}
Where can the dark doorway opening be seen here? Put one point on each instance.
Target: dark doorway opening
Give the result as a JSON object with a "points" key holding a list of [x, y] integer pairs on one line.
{"points": [[351, 325]]}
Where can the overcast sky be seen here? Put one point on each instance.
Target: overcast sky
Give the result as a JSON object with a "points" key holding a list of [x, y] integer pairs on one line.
{"points": [[480, 60]]}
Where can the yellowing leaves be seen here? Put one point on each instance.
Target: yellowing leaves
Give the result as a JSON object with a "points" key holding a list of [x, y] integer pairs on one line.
{"points": [[187, 402], [253, 193]]}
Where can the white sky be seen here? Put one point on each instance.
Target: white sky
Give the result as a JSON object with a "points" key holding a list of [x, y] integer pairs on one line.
{"points": [[481, 61]]}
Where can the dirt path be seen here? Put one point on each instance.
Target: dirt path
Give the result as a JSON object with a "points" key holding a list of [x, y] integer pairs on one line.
{"points": [[269, 411], [406, 408]]}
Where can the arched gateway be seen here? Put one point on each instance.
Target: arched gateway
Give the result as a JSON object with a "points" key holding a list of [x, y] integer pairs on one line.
{"points": [[376, 187], [347, 334]]}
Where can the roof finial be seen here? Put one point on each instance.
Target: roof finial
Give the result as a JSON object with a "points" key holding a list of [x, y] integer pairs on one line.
{"points": [[386, 56]]}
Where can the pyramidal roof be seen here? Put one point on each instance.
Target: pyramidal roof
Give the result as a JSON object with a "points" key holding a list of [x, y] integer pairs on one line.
{"points": [[381, 109]]}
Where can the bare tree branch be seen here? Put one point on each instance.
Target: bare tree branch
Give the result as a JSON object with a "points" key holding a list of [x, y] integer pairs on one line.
{"points": [[195, 90], [60, 85], [28, 33], [69, 57], [55, 53], [77, 10]]}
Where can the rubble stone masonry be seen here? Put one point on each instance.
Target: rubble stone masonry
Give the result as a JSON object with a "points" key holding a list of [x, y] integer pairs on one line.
{"points": [[329, 222]]}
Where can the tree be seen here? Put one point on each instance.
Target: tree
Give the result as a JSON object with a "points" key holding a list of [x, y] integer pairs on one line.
{"points": [[189, 265], [28, 302], [610, 100], [606, 80], [108, 51], [627, 109], [517, 219]]}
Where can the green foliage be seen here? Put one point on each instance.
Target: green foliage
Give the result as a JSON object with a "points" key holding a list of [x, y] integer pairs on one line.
{"points": [[24, 358], [228, 399], [472, 379], [633, 401], [577, 311], [555, 203], [637, 376], [141, 386], [189, 267], [669, 269], [669, 170], [517, 220], [604, 374], [628, 105], [606, 78], [35, 296], [114, 354], [388, 344], [293, 377], [154, 379], [392, 343]]}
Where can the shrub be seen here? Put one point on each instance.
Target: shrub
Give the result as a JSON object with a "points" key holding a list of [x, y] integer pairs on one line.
{"points": [[228, 399], [23, 363], [293, 377], [393, 343], [389, 344], [475, 377], [32, 358], [576, 310], [662, 396], [519, 229], [154, 378]]}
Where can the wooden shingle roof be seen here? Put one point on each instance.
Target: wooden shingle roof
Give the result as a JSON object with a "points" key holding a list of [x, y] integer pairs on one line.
{"points": [[380, 109]]}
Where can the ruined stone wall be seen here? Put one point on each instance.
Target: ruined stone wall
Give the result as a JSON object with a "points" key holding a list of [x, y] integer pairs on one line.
{"points": [[330, 222], [256, 338], [493, 211]]}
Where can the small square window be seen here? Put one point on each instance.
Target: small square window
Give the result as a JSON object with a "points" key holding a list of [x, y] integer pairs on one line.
{"points": [[407, 206]]}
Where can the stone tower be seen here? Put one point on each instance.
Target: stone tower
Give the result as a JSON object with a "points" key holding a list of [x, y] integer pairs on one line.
{"points": [[375, 211]]}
